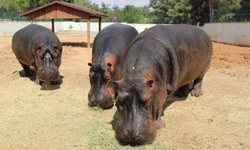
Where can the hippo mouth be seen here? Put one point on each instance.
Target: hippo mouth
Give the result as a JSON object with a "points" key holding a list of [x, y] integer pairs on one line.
{"points": [[135, 138], [48, 70], [105, 101]]}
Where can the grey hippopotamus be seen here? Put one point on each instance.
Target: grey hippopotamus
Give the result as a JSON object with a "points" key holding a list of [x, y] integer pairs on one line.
{"points": [[37, 46], [159, 62], [107, 58]]}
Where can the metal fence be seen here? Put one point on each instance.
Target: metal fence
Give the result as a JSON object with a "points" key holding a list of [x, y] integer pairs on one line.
{"points": [[231, 14], [12, 15]]}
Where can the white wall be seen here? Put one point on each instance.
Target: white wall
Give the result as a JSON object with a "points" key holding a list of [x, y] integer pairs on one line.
{"points": [[9, 28], [230, 33], [94, 26]]}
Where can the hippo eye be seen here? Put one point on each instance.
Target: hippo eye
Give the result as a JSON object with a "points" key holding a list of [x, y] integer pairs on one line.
{"points": [[55, 47]]}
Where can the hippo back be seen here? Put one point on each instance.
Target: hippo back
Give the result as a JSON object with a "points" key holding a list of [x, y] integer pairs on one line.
{"points": [[124, 32]]}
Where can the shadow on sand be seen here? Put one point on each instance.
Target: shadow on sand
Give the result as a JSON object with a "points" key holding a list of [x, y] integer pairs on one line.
{"points": [[77, 44], [45, 85]]}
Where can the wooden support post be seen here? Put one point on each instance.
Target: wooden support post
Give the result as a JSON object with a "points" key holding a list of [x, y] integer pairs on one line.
{"points": [[88, 33], [100, 24], [53, 27]]}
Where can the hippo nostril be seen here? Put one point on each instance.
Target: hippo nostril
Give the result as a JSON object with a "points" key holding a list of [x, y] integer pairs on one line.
{"points": [[137, 137], [125, 134]]}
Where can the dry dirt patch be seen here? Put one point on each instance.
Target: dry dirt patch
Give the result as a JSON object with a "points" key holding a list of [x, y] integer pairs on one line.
{"points": [[47, 117]]}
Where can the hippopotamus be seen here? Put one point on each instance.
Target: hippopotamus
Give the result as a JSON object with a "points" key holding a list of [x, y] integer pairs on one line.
{"points": [[159, 61], [108, 51], [37, 46]]}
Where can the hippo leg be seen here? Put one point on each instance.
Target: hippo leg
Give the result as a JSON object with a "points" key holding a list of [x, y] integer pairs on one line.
{"points": [[197, 91], [28, 72], [184, 90], [37, 78], [159, 123]]}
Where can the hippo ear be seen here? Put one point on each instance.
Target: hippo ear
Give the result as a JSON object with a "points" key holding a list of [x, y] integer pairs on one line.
{"points": [[90, 64], [150, 84]]}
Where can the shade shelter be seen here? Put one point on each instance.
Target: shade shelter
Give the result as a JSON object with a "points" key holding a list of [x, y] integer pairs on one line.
{"points": [[64, 10]]}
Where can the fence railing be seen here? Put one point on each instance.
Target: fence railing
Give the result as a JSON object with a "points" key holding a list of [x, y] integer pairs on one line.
{"points": [[231, 14], [13, 15]]}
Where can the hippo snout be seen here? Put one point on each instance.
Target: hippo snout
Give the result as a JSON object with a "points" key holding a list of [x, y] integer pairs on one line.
{"points": [[129, 135], [48, 74], [101, 100], [133, 137]]}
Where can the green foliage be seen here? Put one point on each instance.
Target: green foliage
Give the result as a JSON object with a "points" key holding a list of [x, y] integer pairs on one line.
{"points": [[158, 11], [129, 14], [190, 11], [34, 3], [105, 8], [43, 2], [85, 3], [22, 4]]}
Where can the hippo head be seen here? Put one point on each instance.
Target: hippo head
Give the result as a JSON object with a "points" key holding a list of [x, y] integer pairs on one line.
{"points": [[47, 61], [100, 75], [138, 103]]}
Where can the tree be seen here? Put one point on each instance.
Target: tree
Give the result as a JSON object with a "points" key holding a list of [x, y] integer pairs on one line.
{"points": [[85, 3], [199, 11], [21, 4], [161, 8], [43, 2], [105, 8], [7, 4], [144, 14], [33, 4], [114, 14], [95, 7], [169, 11], [180, 12], [129, 14], [14, 4]]}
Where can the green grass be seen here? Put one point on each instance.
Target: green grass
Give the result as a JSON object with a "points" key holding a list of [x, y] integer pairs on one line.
{"points": [[96, 130]]}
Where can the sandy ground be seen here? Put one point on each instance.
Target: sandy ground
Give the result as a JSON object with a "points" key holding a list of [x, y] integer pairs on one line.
{"points": [[57, 117]]}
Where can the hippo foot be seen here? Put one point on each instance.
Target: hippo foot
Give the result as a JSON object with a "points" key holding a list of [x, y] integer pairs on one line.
{"points": [[159, 124], [196, 93]]}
